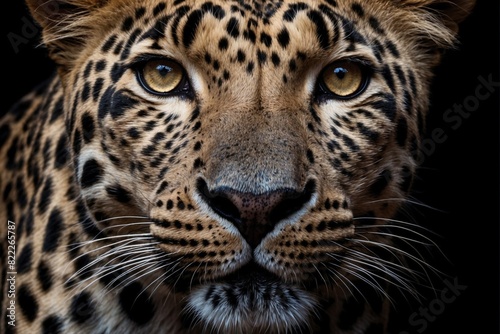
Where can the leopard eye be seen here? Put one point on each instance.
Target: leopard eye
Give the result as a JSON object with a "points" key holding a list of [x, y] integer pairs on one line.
{"points": [[343, 79], [161, 76]]}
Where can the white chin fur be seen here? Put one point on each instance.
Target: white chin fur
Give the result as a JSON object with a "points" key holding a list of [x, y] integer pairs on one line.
{"points": [[250, 307]]}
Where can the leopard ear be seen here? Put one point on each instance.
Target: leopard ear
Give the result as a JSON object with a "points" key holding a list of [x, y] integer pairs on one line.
{"points": [[434, 23], [450, 12], [66, 25]]}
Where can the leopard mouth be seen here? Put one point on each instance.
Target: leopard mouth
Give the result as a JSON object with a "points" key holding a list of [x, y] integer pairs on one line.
{"points": [[250, 300]]}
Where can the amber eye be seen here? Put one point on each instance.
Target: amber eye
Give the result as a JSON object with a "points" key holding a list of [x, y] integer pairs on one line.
{"points": [[161, 76], [343, 79]]}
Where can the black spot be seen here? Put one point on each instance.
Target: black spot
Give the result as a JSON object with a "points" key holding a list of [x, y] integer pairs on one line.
{"points": [[387, 74], [27, 303], [275, 59], [293, 10], [21, 197], [266, 39], [7, 190], [198, 163], [62, 153], [88, 68], [88, 127], [11, 155], [139, 12], [136, 304], [240, 56], [29, 222], [250, 35], [159, 8], [44, 276], [100, 65], [133, 133], [53, 231], [57, 111], [116, 72], [127, 24], [232, 27], [283, 38], [386, 105], [349, 142], [223, 44], [216, 65], [351, 34], [374, 23], [402, 131], [392, 48], [96, 89], [108, 44], [381, 182], [77, 142], [4, 134], [149, 150], [121, 103], [310, 156], [24, 261], [216, 10], [81, 308], [194, 115], [321, 28], [105, 102], [190, 27], [181, 205], [85, 92], [358, 9], [91, 174], [52, 325], [370, 134], [250, 67], [408, 102], [118, 193], [400, 74], [45, 196], [118, 48], [261, 57]]}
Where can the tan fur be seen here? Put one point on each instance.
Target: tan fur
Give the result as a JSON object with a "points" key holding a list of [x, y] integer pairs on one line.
{"points": [[143, 186]]}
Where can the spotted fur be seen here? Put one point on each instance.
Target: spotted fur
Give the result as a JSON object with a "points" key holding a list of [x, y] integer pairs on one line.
{"points": [[250, 198]]}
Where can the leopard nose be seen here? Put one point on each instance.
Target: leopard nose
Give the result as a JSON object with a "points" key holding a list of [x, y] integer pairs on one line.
{"points": [[255, 215]]}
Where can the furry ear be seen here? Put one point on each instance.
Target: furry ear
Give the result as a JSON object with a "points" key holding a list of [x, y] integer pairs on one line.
{"points": [[66, 24], [450, 12], [434, 23]]}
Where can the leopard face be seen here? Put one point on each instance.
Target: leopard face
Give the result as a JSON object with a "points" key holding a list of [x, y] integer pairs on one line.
{"points": [[243, 159]]}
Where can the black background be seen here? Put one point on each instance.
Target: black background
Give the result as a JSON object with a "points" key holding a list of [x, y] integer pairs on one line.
{"points": [[460, 178]]}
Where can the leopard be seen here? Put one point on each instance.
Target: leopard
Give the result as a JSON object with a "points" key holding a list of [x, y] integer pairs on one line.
{"points": [[212, 166]]}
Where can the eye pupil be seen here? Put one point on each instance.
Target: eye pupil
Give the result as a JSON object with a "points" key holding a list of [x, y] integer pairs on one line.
{"points": [[340, 72], [163, 70]]}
